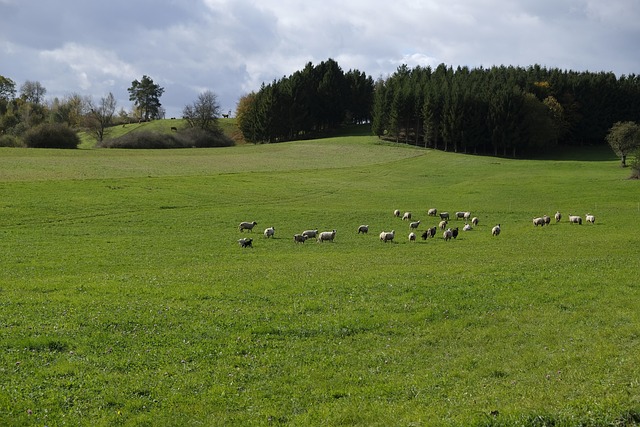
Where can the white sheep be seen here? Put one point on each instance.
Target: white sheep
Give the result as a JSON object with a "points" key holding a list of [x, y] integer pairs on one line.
{"points": [[443, 224], [414, 225], [467, 215], [538, 221], [547, 219], [406, 216], [247, 226], [432, 212], [575, 219], [269, 232], [467, 227], [412, 237], [327, 236], [364, 229], [558, 216], [310, 234], [387, 236], [299, 238], [590, 218], [474, 221], [396, 213], [495, 231], [447, 235]]}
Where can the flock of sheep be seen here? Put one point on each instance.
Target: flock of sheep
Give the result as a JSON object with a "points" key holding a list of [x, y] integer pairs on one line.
{"points": [[448, 233]]}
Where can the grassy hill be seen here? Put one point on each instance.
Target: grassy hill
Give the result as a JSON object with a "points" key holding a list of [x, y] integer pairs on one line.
{"points": [[126, 299], [228, 126]]}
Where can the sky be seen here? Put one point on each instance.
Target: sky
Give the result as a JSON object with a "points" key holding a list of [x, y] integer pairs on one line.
{"points": [[230, 47]]}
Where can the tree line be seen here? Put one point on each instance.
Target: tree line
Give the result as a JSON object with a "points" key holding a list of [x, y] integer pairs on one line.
{"points": [[315, 99], [508, 111]]}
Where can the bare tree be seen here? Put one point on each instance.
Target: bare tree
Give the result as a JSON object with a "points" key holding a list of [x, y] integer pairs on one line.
{"points": [[100, 116], [204, 112]]}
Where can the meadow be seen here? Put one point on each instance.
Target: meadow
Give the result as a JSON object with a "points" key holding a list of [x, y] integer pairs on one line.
{"points": [[126, 300]]}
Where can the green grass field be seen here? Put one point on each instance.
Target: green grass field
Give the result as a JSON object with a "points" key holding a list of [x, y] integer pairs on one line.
{"points": [[126, 300]]}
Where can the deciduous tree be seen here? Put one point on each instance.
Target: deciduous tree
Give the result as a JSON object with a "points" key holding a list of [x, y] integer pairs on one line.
{"points": [[623, 138], [204, 112]]}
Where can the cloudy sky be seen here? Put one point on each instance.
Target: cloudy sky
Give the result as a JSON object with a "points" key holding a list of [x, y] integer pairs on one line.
{"points": [[230, 47]]}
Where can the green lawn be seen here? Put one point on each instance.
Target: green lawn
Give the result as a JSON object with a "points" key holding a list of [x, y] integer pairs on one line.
{"points": [[126, 300]]}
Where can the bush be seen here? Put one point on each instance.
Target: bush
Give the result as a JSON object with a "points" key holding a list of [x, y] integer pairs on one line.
{"points": [[635, 164], [10, 141], [184, 139], [51, 135]]}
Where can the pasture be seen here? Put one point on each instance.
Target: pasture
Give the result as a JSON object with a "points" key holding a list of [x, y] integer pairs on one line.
{"points": [[125, 298]]}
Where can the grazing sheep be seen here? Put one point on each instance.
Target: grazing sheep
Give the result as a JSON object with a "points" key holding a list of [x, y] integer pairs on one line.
{"points": [[387, 236], [269, 232], [447, 235], [406, 216], [414, 225], [245, 243], [467, 215], [590, 218], [460, 215], [432, 212], [247, 226], [299, 238], [430, 232], [396, 213], [575, 219], [547, 219], [412, 237], [558, 216], [495, 231], [474, 221], [467, 227], [538, 221], [327, 236], [364, 229], [310, 234], [454, 233], [444, 215], [443, 224]]}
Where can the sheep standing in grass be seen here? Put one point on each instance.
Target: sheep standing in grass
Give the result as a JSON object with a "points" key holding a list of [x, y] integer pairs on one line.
{"points": [[406, 216], [432, 212], [460, 215], [245, 243], [387, 236], [414, 225], [310, 234], [430, 232], [364, 229], [590, 218], [467, 227], [444, 215], [495, 231], [269, 232], [558, 216], [447, 235], [327, 236], [575, 219], [412, 237], [247, 226], [396, 213], [538, 221], [299, 238], [547, 219], [443, 224], [467, 215], [454, 233], [474, 221]]}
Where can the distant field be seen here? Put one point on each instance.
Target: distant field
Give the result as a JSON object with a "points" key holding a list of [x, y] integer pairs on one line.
{"points": [[126, 300]]}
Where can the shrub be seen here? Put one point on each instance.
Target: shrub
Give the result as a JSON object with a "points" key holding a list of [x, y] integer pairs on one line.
{"points": [[10, 141], [635, 164], [188, 138], [51, 135]]}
